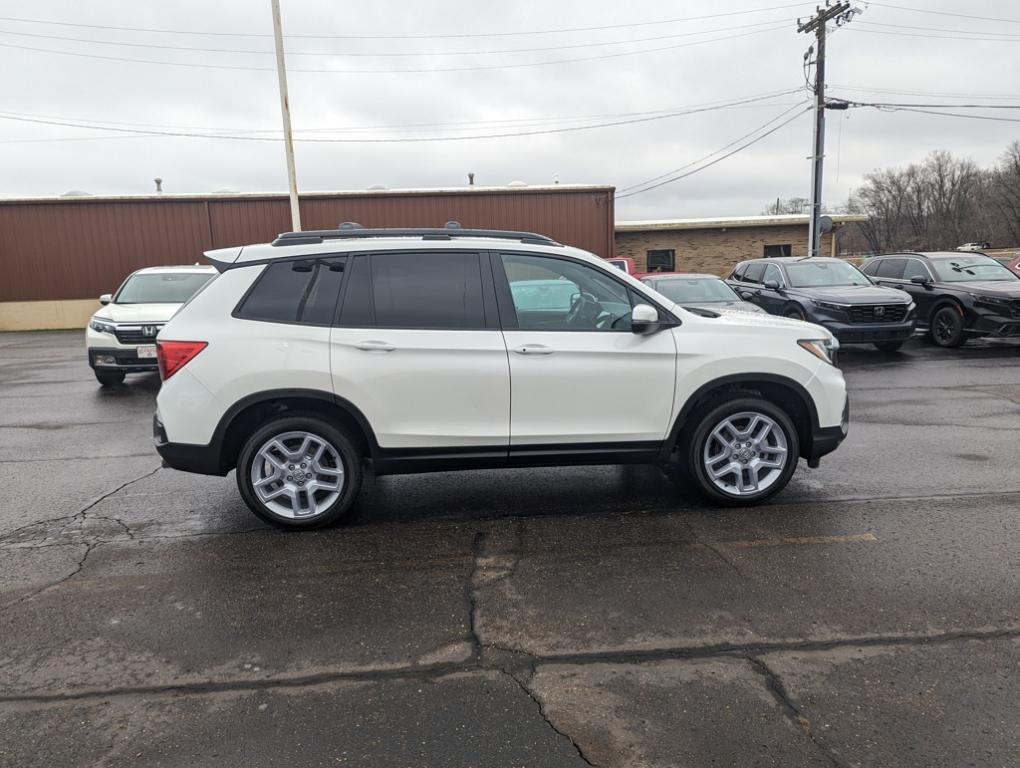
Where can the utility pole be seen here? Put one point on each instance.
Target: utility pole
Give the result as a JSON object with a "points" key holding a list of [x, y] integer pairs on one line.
{"points": [[288, 139], [841, 13]]}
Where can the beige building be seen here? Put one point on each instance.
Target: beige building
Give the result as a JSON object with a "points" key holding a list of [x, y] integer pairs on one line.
{"points": [[716, 245]]}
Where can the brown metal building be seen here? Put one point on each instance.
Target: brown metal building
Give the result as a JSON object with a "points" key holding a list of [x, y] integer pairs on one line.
{"points": [[75, 248]]}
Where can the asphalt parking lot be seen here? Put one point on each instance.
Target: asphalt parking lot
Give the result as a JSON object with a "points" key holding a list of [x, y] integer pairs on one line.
{"points": [[586, 616]]}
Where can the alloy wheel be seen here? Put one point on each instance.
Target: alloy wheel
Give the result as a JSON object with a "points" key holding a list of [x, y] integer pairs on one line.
{"points": [[745, 453], [297, 475]]}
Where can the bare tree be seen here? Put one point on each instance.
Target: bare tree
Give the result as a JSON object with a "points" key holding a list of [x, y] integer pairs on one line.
{"points": [[789, 205]]}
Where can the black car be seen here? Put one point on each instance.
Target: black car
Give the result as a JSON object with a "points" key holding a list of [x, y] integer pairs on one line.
{"points": [[698, 291], [830, 292], [958, 295]]}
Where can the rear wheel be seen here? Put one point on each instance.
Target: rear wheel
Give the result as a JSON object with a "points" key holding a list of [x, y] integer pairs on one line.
{"points": [[299, 472], [109, 378], [741, 451], [947, 327], [889, 346]]}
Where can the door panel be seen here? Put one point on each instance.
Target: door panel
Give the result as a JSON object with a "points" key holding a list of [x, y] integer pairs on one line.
{"points": [[578, 374], [416, 352]]}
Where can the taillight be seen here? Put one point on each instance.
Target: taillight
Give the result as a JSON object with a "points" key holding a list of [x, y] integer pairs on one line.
{"points": [[174, 355]]}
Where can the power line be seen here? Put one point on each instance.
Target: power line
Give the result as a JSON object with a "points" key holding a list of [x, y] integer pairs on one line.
{"points": [[944, 94], [947, 114], [390, 54], [411, 37], [416, 139], [718, 159], [943, 13], [519, 65], [894, 105], [937, 29], [941, 37], [723, 148]]}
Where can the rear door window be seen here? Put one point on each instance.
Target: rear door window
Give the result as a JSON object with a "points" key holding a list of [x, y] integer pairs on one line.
{"points": [[302, 292], [421, 289], [754, 272], [891, 269]]}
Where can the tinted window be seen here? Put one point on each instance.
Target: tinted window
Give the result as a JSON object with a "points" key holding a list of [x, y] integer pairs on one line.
{"points": [[818, 274], [427, 290], [161, 288], [772, 273], [775, 251], [960, 269], [914, 268], [561, 295], [694, 289], [891, 268], [871, 267], [753, 272], [302, 292]]}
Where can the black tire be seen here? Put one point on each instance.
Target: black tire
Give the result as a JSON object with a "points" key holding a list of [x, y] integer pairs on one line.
{"points": [[335, 437], [109, 378], [889, 346], [947, 327], [693, 443], [794, 312]]}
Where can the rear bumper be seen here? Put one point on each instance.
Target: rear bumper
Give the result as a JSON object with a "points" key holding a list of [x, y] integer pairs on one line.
{"points": [[202, 459], [825, 440], [120, 359]]}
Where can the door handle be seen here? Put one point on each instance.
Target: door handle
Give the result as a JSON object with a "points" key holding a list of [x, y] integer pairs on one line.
{"points": [[375, 346], [533, 349]]}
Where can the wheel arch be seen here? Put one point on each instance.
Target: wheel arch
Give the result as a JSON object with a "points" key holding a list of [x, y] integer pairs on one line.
{"points": [[247, 414], [781, 391]]}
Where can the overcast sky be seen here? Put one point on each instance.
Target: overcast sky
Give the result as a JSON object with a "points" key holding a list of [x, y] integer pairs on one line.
{"points": [[733, 55]]}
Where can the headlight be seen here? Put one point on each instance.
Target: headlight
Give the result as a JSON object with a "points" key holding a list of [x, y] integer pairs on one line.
{"points": [[830, 305], [101, 325], [997, 301], [823, 349]]}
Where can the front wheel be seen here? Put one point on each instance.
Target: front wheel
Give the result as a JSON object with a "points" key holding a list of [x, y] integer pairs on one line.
{"points": [[795, 313], [947, 327], [741, 452], [109, 378], [299, 472]]}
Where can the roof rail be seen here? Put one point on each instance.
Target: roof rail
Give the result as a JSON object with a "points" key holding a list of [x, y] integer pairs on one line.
{"points": [[448, 233]]}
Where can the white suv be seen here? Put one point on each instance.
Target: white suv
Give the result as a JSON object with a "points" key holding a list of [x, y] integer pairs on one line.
{"points": [[121, 336], [325, 354]]}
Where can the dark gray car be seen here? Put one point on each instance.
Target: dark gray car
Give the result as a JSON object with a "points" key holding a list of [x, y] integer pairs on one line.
{"points": [[699, 291]]}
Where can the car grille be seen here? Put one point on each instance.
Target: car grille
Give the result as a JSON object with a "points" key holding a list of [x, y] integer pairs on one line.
{"points": [[1014, 307], [878, 313], [136, 334]]}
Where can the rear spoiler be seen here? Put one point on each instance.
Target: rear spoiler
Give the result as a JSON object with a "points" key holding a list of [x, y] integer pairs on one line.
{"points": [[223, 258]]}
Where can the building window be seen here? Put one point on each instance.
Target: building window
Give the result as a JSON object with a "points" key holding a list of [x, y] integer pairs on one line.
{"points": [[776, 251], [661, 261]]}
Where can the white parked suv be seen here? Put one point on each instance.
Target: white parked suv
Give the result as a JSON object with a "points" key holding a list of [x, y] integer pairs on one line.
{"points": [[319, 356], [121, 336]]}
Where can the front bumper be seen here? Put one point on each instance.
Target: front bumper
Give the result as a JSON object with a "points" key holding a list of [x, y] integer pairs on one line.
{"points": [[123, 359], [1002, 326], [825, 440], [859, 333]]}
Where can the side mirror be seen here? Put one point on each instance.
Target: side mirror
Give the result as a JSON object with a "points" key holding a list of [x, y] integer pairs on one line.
{"points": [[746, 295], [644, 319], [772, 285], [920, 280], [105, 299]]}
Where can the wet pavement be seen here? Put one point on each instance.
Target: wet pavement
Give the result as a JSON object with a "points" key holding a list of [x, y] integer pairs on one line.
{"points": [[868, 616]]}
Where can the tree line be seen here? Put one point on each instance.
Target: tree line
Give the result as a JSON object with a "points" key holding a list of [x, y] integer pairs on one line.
{"points": [[936, 204]]}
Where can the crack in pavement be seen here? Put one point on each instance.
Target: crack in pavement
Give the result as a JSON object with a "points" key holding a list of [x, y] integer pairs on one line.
{"points": [[498, 662], [779, 692]]}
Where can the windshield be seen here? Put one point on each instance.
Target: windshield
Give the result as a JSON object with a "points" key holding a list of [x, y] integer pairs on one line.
{"points": [[964, 268], [694, 290], [165, 288], [819, 274]]}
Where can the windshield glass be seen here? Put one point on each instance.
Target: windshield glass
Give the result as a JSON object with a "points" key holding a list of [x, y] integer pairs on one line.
{"points": [[695, 289], [963, 268], [818, 274], [166, 288]]}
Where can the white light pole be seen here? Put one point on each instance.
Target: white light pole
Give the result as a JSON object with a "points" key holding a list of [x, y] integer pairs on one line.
{"points": [[288, 139]]}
